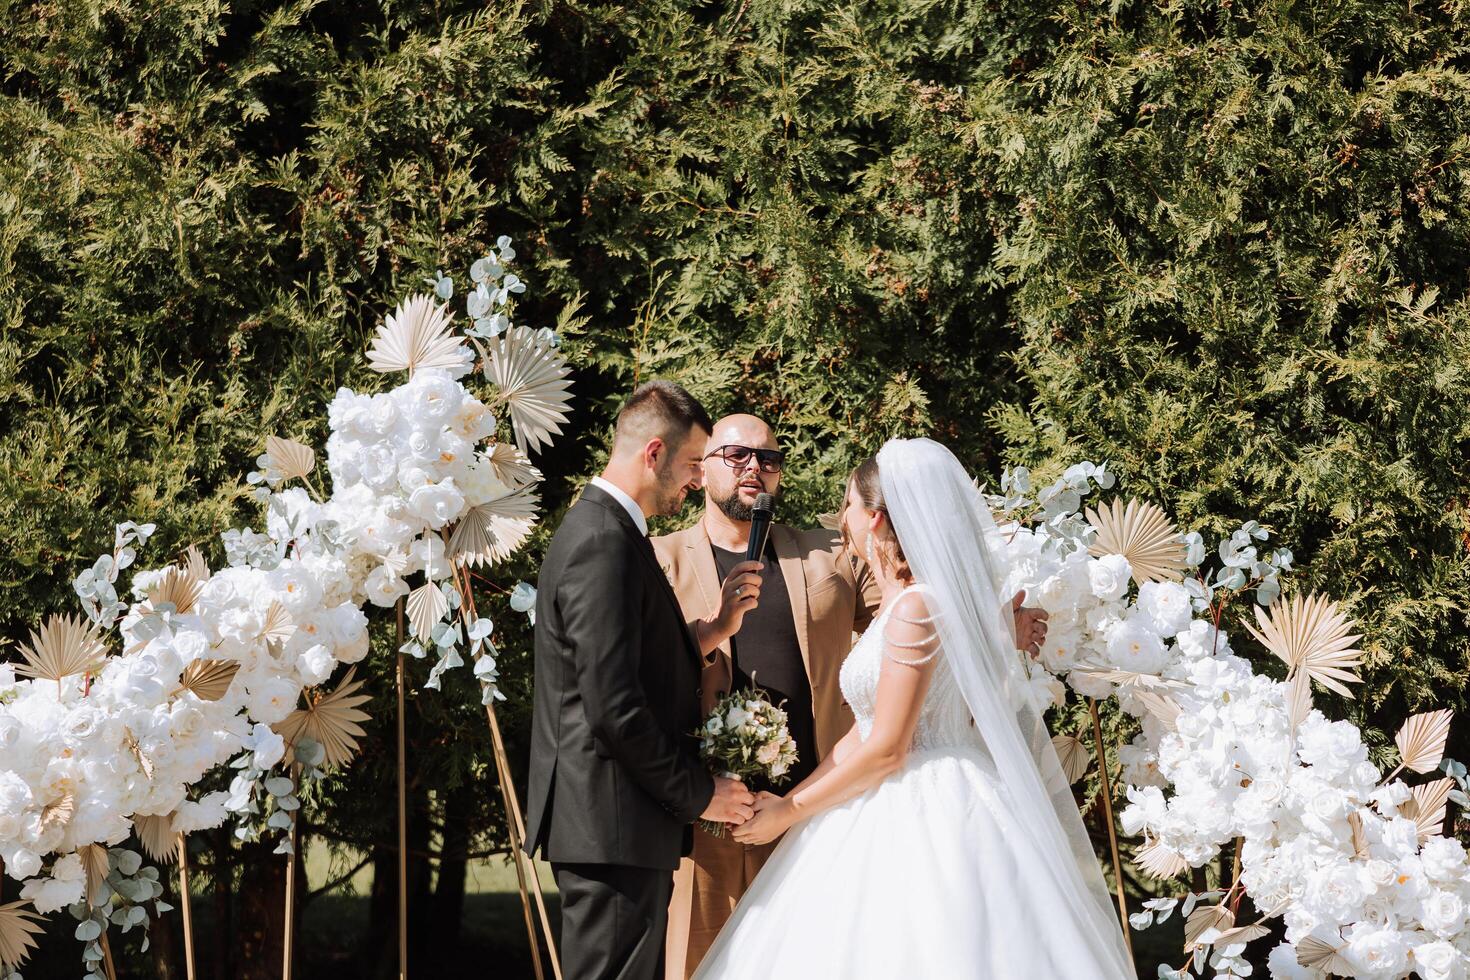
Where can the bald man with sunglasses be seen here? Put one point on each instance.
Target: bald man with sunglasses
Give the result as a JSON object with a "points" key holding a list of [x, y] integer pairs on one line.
{"points": [[787, 621]]}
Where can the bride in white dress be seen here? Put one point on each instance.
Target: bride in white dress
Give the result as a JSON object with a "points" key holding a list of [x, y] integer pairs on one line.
{"points": [[939, 838]]}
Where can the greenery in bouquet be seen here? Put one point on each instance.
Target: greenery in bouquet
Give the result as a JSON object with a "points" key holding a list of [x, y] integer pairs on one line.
{"points": [[746, 737]]}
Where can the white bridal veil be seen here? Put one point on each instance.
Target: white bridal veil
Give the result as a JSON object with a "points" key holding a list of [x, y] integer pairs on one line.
{"points": [[943, 523]]}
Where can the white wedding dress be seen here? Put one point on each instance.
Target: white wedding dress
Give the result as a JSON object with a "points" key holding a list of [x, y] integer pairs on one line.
{"points": [[934, 873]]}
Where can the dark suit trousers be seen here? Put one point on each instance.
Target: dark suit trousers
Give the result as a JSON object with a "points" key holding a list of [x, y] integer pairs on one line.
{"points": [[613, 919]]}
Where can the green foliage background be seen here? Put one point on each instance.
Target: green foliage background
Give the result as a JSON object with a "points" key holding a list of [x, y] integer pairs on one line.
{"points": [[1220, 244]]}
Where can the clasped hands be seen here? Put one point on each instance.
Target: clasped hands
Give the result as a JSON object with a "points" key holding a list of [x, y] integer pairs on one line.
{"points": [[755, 818]]}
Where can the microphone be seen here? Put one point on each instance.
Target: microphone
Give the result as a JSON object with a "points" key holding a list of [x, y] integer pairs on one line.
{"points": [[760, 525]]}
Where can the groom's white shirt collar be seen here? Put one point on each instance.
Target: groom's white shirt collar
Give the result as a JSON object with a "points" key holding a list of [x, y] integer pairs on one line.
{"points": [[629, 504]]}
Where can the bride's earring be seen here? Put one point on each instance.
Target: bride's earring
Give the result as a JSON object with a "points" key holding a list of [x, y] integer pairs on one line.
{"points": [[872, 564]]}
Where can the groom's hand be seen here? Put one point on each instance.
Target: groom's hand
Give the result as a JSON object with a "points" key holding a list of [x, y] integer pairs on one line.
{"points": [[732, 802]]}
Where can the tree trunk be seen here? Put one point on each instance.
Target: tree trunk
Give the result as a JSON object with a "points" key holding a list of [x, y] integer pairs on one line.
{"points": [[448, 905], [262, 912]]}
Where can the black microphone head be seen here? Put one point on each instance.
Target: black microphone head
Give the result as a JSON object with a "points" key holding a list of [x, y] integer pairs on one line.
{"points": [[764, 503]]}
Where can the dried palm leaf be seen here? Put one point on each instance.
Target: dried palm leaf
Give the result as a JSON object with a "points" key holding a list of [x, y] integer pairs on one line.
{"points": [[58, 812], [1421, 740], [1315, 954], [1310, 634], [1298, 699], [331, 720], [473, 540], [1159, 861], [1143, 534], [1426, 807], [67, 645], [492, 531], [416, 335], [512, 467], [1203, 919], [96, 863], [1360, 836], [531, 379], [144, 763], [287, 459], [426, 606], [1073, 756], [832, 522], [209, 680], [1241, 934], [278, 626], [18, 928], [195, 564], [156, 834], [177, 586]]}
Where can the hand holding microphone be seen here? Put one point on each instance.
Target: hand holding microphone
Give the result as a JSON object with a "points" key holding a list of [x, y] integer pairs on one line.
{"points": [[741, 591]]}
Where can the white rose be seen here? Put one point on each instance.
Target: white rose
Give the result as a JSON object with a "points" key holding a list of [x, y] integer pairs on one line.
{"points": [[185, 720], [1108, 576], [268, 746], [1379, 952], [315, 665], [1443, 913], [271, 698], [436, 504], [1132, 645], [1284, 965], [1439, 961], [1166, 604], [1443, 858], [384, 588]]}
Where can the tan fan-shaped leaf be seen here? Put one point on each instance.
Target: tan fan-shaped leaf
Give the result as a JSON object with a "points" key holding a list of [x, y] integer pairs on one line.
{"points": [[1143, 534], [492, 531], [209, 680], [278, 627], [426, 606], [331, 720], [416, 335], [66, 645], [195, 564], [1360, 836], [1241, 934], [1426, 807], [177, 586], [1316, 954], [287, 459], [96, 863], [1204, 918], [1298, 699], [18, 928], [58, 812], [832, 522], [531, 380], [1162, 707], [512, 467], [1421, 740], [156, 834], [1159, 861], [144, 763], [1312, 635], [1073, 756]]}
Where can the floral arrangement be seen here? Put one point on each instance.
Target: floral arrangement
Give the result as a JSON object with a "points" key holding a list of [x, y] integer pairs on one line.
{"points": [[746, 737], [112, 717], [1352, 860]]}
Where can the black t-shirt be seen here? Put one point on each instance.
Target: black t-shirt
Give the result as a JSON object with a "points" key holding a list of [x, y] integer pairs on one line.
{"points": [[767, 648]]}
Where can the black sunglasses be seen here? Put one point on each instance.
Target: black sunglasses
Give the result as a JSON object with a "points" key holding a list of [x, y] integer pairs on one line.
{"points": [[737, 457]]}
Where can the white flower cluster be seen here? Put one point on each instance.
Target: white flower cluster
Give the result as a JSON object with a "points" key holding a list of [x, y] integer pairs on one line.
{"points": [[84, 758], [747, 736], [1326, 842]]}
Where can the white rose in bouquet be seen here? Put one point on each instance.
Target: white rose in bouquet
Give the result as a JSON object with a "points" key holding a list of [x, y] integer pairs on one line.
{"points": [[1132, 645], [1167, 606], [1108, 577], [1438, 960]]}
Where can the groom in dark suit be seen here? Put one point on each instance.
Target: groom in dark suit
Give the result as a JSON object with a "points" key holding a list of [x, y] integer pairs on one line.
{"points": [[616, 781]]}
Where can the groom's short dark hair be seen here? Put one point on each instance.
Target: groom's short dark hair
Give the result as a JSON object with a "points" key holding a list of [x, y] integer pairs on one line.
{"points": [[662, 409]]}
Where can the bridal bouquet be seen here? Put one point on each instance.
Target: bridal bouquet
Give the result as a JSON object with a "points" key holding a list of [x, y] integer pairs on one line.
{"points": [[746, 737]]}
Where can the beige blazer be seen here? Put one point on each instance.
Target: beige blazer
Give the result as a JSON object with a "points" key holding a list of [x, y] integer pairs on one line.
{"points": [[832, 595]]}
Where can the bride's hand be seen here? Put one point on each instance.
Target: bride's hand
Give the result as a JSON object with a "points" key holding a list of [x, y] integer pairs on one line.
{"points": [[1030, 625], [773, 817]]}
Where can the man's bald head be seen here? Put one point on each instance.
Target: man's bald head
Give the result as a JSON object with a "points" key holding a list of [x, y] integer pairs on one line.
{"points": [[741, 430], [730, 490]]}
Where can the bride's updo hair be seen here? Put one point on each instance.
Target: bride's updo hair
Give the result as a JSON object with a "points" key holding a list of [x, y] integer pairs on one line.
{"points": [[887, 549]]}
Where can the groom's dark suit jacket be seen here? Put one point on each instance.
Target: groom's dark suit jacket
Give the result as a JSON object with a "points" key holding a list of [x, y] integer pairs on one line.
{"points": [[615, 773]]}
